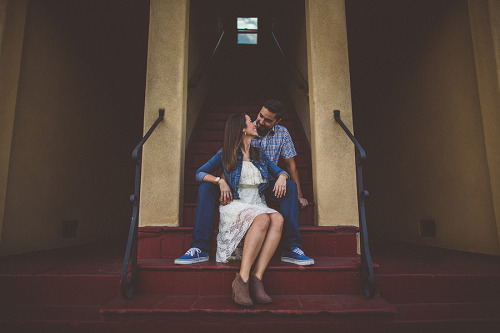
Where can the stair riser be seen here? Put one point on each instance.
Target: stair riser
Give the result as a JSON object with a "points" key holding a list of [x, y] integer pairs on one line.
{"points": [[50, 312], [275, 282], [173, 245], [439, 288], [60, 289]]}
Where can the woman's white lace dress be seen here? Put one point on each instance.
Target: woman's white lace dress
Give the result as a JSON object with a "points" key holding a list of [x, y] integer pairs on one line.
{"points": [[237, 217]]}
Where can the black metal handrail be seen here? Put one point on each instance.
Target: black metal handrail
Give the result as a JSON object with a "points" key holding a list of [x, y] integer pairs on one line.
{"points": [[202, 67], [367, 273], [129, 272], [296, 75]]}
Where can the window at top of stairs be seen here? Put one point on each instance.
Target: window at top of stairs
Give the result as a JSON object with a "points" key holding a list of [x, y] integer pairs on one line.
{"points": [[247, 30]]}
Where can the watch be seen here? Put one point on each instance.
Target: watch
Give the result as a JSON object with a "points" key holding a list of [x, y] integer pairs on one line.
{"points": [[216, 180]]}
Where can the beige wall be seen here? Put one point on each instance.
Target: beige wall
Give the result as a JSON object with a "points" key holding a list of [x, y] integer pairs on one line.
{"points": [[12, 19], [333, 165], [166, 87], [77, 117], [417, 111], [485, 26]]}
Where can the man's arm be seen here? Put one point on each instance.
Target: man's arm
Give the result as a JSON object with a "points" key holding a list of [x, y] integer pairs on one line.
{"points": [[294, 175]]}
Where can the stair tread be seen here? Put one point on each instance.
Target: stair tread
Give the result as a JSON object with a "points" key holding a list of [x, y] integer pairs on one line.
{"points": [[321, 264], [222, 304], [302, 229], [448, 311]]}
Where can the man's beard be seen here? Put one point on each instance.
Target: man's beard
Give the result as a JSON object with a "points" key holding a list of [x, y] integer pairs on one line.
{"points": [[262, 131]]}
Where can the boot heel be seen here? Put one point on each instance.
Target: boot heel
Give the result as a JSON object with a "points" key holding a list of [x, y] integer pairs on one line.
{"points": [[240, 293]]}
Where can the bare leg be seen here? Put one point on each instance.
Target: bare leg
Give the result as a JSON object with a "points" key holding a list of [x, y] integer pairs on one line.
{"points": [[270, 244], [253, 242]]}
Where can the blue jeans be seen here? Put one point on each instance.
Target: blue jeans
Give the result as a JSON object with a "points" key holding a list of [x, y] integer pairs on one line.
{"points": [[208, 196]]}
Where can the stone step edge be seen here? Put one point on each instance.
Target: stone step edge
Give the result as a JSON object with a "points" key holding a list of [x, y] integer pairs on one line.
{"points": [[385, 309], [278, 266], [303, 229]]}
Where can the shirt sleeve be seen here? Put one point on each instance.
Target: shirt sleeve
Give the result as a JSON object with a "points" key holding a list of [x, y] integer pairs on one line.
{"points": [[287, 148]]}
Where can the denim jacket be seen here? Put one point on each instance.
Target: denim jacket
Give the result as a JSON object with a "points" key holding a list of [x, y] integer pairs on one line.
{"points": [[265, 166]]}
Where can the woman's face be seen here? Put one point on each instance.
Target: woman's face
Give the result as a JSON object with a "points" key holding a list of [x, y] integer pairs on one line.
{"points": [[251, 128]]}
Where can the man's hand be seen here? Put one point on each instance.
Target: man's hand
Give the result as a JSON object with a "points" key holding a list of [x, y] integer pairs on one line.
{"points": [[303, 203], [226, 196]]}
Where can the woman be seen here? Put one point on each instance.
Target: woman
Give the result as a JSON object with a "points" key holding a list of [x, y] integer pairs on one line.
{"points": [[246, 171]]}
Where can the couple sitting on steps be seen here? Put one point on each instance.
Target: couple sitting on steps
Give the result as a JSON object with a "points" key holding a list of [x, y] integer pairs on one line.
{"points": [[249, 156]]}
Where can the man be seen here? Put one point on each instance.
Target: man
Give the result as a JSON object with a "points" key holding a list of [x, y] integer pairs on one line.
{"points": [[274, 141]]}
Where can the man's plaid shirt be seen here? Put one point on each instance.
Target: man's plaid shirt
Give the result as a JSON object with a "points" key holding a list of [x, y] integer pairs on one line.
{"points": [[277, 142]]}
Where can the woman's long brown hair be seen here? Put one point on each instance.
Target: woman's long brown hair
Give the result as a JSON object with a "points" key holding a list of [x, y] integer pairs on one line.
{"points": [[233, 135]]}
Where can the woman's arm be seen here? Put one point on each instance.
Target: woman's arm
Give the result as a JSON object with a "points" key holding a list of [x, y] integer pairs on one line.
{"points": [[206, 169], [204, 175], [280, 185], [273, 168]]}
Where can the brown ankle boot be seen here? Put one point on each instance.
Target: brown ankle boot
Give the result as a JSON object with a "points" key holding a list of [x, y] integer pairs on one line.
{"points": [[257, 291], [240, 292]]}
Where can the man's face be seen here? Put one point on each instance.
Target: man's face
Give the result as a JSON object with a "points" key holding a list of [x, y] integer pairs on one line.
{"points": [[265, 121]]}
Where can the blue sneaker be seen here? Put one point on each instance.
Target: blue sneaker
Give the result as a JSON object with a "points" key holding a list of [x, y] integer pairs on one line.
{"points": [[296, 256], [192, 256]]}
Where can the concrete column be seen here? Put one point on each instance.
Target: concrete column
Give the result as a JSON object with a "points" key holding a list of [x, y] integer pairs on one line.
{"points": [[485, 27], [166, 87], [332, 152], [12, 21]]}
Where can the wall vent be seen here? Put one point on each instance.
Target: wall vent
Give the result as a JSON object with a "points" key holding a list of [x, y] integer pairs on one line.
{"points": [[427, 228], [70, 229]]}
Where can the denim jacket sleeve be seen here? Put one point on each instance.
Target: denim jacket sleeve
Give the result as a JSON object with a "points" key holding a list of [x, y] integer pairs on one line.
{"points": [[273, 168], [213, 164]]}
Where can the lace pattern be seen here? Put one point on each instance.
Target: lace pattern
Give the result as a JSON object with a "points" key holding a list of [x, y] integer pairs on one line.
{"points": [[237, 217]]}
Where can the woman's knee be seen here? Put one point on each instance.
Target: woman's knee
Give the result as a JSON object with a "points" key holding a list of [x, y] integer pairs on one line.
{"points": [[277, 221], [262, 222]]}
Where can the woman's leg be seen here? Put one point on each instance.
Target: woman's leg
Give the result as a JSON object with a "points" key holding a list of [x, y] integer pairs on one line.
{"points": [[253, 242], [270, 244]]}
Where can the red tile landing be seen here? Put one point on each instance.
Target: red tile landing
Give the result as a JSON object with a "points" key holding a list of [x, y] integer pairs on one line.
{"points": [[295, 305]]}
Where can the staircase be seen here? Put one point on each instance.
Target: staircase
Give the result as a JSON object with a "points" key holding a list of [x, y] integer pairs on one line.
{"points": [[77, 290]]}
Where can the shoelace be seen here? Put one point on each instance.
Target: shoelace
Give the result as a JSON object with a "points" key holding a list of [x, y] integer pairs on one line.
{"points": [[298, 251], [192, 251]]}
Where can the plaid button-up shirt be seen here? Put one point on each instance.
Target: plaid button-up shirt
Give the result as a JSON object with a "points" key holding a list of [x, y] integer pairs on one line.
{"points": [[277, 142]]}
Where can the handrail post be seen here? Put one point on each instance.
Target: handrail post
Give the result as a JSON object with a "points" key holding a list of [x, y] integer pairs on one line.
{"points": [[128, 282], [366, 267]]}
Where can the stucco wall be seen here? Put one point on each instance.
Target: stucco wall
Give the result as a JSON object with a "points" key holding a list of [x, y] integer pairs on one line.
{"points": [[166, 87], [485, 25], [77, 118], [417, 113], [334, 175], [12, 18], [204, 32]]}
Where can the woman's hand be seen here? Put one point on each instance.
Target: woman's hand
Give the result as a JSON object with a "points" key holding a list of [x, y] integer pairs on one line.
{"points": [[226, 196], [280, 186]]}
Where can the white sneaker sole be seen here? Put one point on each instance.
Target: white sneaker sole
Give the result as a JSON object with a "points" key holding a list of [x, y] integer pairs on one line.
{"points": [[190, 261], [298, 262]]}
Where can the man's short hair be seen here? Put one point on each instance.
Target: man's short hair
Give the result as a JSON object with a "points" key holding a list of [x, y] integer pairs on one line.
{"points": [[275, 107]]}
